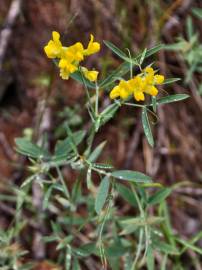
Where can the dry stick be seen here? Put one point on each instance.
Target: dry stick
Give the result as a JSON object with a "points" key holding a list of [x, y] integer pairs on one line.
{"points": [[6, 33]]}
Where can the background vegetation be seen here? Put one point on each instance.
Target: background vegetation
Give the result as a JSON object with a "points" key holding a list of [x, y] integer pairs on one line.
{"points": [[35, 101]]}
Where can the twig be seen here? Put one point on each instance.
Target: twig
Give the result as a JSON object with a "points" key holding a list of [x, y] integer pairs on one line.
{"points": [[6, 33]]}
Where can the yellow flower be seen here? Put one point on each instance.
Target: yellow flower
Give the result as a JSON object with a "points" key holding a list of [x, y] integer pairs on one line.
{"points": [[159, 79], [144, 83], [66, 68], [149, 70], [91, 75], [138, 86], [93, 47], [54, 47], [138, 95], [151, 90], [76, 52], [115, 92], [123, 90]]}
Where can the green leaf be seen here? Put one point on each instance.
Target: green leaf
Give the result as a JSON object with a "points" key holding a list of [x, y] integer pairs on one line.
{"points": [[102, 166], [164, 247], [150, 258], [102, 194], [85, 250], [189, 245], [109, 112], [143, 56], [132, 176], [29, 149], [125, 67], [116, 250], [154, 105], [197, 12], [78, 76], [171, 80], [159, 196], [140, 221], [63, 148], [189, 28], [68, 257], [88, 178], [146, 127], [96, 152], [116, 50], [28, 180], [47, 197], [76, 265], [172, 98], [117, 73], [126, 193]]}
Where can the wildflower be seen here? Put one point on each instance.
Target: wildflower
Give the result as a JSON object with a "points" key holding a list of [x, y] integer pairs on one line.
{"points": [[66, 68], [70, 57], [93, 47], [91, 75], [144, 83], [123, 90], [54, 47], [138, 86], [152, 80], [76, 52]]}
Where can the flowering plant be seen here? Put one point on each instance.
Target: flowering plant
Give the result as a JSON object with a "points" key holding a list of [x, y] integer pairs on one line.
{"points": [[147, 231]]}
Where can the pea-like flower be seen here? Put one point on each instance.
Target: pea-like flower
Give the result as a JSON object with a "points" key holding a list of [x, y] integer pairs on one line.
{"points": [[54, 47], [70, 57], [93, 47], [143, 83], [91, 75]]}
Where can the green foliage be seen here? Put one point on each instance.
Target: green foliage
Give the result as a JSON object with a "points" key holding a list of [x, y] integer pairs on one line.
{"points": [[190, 48], [134, 239]]}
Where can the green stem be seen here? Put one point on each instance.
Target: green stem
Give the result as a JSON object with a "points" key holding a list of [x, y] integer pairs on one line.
{"points": [[96, 99]]}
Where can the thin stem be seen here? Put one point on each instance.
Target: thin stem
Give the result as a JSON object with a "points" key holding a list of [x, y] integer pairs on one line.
{"points": [[97, 99], [134, 104], [138, 249]]}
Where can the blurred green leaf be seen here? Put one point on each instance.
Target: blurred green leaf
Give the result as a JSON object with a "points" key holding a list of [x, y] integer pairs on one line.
{"points": [[126, 66], [116, 50], [126, 193], [97, 152], [30, 149], [76, 265], [102, 194], [172, 98], [63, 148], [171, 80], [47, 197], [154, 105], [68, 257], [109, 112], [189, 245], [85, 250], [150, 258], [159, 196], [165, 247], [197, 12], [132, 176], [81, 79], [147, 127]]}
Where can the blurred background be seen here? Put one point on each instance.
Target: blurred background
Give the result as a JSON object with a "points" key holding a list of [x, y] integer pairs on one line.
{"points": [[28, 80]]}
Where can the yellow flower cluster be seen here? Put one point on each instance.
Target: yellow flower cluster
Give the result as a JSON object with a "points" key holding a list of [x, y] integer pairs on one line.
{"points": [[70, 57], [144, 83]]}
